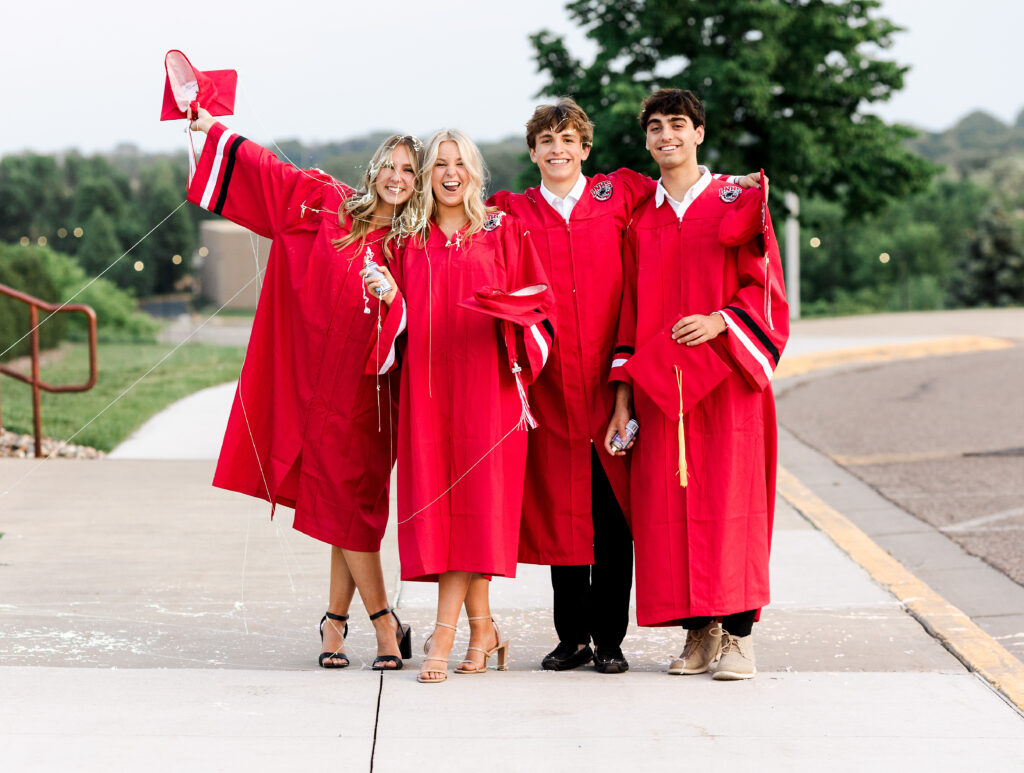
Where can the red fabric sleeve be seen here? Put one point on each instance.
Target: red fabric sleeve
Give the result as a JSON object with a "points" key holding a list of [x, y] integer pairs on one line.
{"points": [[383, 355], [499, 200], [625, 341], [249, 185], [533, 342], [638, 187], [758, 316]]}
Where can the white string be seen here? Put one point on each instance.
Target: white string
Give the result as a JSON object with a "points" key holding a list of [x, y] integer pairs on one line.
{"points": [[461, 477], [241, 400], [89, 283], [333, 183], [241, 592], [117, 399], [282, 543]]}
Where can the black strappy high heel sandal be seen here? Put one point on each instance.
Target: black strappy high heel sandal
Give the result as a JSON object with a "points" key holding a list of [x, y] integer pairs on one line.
{"points": [[404, 636], [333, 655]]}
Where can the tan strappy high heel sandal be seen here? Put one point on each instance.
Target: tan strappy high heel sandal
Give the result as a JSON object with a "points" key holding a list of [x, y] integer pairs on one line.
{"points": [[420, 677], [501, 648]]}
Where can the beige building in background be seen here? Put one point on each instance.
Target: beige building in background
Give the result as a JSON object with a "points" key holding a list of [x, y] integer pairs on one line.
{"points": [[229, 264]]}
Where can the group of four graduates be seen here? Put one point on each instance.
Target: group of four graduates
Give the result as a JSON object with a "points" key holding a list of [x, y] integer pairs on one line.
{"points": [[482, 302]]}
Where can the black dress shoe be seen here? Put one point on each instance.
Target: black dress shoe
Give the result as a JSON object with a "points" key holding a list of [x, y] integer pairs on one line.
{"points": [[610, 660], [567, 656]]}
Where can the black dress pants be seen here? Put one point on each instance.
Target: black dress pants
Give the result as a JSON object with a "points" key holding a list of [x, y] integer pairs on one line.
{"points": [[593, 601]]}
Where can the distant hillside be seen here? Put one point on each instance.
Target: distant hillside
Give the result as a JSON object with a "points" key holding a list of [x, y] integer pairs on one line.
{"points": [[346, 160], [976, 141]]}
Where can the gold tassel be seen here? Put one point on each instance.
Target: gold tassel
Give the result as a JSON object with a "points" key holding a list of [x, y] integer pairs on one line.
{"points": [[682, 434]]}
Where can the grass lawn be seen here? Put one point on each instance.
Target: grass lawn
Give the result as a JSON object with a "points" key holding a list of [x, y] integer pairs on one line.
{"points": [[192, 367]]}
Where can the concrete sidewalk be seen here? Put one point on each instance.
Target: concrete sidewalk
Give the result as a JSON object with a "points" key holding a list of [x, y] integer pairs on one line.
{"points": [[150, 621]]}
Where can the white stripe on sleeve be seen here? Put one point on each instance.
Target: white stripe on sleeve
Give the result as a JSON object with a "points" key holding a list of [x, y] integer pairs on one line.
{"points": [[390, 359], [541, 344], [736, 330], [211, 182]]}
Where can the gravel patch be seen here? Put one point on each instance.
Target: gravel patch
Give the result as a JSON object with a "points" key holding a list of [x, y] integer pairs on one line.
{"points": [[13, 445]]}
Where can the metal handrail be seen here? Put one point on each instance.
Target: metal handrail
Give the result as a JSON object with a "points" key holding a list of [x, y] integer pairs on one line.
{"points": [[37, 384]]}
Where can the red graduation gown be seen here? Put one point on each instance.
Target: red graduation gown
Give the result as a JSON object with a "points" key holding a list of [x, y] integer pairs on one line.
{"points": [[461, 449], [571, 398], [703, 550], [305, 429]]}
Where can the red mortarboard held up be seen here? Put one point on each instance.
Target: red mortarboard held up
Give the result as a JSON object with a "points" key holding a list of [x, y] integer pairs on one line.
{"points": [[186, 87]]}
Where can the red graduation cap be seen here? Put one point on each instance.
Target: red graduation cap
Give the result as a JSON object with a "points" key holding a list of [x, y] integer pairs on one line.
{"points": [[519, 306], [653, 370], [676, 377], [512, 309], [186, 87]]}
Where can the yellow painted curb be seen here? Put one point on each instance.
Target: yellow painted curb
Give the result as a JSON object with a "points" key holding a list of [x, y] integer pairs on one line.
{"points": [[805, 363], [958, 633]]}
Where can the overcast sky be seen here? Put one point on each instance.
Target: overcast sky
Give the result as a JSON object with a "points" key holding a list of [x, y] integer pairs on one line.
{"points": [[90, 74]]}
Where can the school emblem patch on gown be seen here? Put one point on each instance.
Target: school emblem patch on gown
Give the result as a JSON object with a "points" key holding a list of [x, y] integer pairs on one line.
{"points": [[602, 191], [493, 221], [729, 193]]}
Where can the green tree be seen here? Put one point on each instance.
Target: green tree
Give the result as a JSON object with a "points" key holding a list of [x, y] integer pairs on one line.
{"points": [[783, 82], [160, 192], [991, 272], [100, 247], [902, 257], [32, 197], [21, 268]]}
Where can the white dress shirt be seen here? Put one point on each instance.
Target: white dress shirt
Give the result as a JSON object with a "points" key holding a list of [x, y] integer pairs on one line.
{"points": [[680, 207], [563, 206]]}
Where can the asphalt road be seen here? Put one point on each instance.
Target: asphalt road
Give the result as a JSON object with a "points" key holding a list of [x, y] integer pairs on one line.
{"points": [[943, 438]]}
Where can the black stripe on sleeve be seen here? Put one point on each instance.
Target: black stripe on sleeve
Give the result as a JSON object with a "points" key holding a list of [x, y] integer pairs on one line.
{"points": [[752, 326], [624, 350], [546, 324], [229, 167]]}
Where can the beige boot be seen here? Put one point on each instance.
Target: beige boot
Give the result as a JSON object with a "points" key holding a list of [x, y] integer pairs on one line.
{"points": [[737, 658], [701, 649]]}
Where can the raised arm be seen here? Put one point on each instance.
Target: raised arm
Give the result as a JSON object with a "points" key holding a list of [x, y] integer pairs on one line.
{"points": [[246, 183]]}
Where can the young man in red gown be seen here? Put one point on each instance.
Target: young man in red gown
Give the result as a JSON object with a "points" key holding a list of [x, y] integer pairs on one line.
{"points": [[703, 324], [576, 502]]}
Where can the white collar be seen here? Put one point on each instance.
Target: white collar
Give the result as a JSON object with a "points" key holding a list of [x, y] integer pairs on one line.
{"points": [[680, 207], [575, 194]]}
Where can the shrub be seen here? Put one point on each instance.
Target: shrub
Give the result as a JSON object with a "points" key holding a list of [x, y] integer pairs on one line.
{"points": [[21, 269], [56, 278]]}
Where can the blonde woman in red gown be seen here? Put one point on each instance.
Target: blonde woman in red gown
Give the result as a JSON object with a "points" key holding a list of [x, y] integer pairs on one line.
{"points": [[463, 414]]}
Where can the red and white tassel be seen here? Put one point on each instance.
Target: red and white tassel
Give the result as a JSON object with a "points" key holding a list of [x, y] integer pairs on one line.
{"points": [[768, 295], [191, 114], [526, 420], [191, 158]]}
